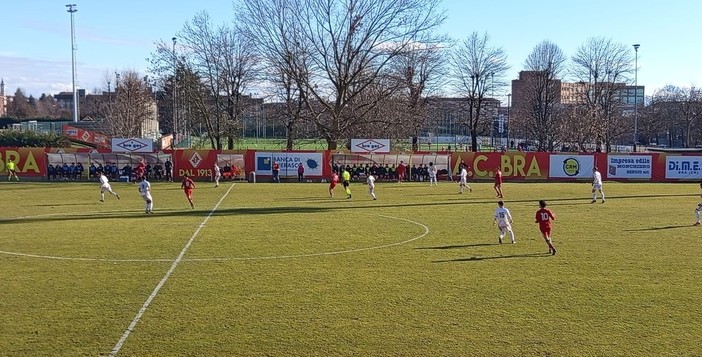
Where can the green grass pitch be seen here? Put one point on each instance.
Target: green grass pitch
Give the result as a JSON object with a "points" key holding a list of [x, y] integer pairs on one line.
{"points": [[285, 270]]}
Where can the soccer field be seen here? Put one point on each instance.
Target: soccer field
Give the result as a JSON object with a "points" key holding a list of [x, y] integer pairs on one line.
{"points": [[284, 270]]}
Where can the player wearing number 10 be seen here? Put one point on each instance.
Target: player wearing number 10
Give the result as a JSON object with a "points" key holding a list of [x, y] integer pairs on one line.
{"points": [[543, 218]]}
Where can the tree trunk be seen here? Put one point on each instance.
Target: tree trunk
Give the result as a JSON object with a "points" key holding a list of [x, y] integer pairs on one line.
{"points": [[474, 140], [331, 144]]}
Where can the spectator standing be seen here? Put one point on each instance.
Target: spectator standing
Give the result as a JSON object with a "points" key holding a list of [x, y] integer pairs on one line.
{"points": [[168, 165], [300, 172], [276, 172]]}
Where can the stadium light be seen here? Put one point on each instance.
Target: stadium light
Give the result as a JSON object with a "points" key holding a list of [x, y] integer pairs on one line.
{"points": [[636, 94], [72, 9], [175, 117]]}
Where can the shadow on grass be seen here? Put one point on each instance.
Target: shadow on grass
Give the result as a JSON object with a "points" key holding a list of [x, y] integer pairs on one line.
{"points": [[460, 246], [514, 256], [657, 228]]}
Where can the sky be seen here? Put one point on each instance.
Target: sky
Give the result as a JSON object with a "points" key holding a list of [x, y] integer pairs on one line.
{"points": [[35, 49]]}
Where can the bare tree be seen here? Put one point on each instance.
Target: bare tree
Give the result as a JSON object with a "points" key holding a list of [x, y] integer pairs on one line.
{"points": [[479, 70], [340, 50], [603, 68], [132, 106], [215, 68], [678, 111], [538, 112]]}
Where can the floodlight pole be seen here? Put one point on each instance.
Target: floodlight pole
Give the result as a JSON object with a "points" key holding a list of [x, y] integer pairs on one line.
{"points": [[636, 94], [72, 9]]}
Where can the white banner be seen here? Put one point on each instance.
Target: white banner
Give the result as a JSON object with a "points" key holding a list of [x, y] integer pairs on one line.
{"points": [[376, 146], [683, 167], [571, 166], [132, 145], [629, 166], [289, 162]]}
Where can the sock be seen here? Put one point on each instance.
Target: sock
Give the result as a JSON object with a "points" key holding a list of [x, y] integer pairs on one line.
{"points": [[697, 214], [150, 206], [602, 193], [348, 191], [102, 196], [593, 196], [511, 235]]}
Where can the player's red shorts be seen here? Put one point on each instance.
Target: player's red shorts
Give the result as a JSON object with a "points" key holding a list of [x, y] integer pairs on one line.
{"points": [[188, 192], [332, 185], [545, 230]]}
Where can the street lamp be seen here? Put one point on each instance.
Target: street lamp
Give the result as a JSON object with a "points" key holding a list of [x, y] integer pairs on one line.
{"points": [[72, 9], [636, 94], [174, 87]]}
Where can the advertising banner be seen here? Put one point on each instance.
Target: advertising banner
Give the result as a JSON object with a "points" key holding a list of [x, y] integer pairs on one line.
{"points": [[683, 167], [289, 162], [517, 165], [132, 145], [28, 161], [571, 166], [197, 164], [370, 145], [629, 166]]}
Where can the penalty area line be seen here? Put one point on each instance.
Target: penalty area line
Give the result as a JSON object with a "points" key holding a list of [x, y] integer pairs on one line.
{"points": [[170, 271]]}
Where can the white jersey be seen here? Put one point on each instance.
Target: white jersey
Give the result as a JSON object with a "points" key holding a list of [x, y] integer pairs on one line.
{"points": [[503, 217], [371, 181], [145, 188], [464, 175], [432, 171], [216, 170], [104, 180], [597, 179]]}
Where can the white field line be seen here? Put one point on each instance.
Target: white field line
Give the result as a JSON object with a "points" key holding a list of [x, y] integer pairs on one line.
{"points": [[170, 271]]}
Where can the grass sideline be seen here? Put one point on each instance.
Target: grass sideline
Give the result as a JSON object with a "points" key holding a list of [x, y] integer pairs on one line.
{"points": [[625, 280]]}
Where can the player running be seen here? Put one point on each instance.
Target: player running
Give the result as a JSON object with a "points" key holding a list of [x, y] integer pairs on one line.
{"points": [[498, 182], [504, 222], [188, 185], [105, 187], [463, 181], [332, 183], [371, 186], [145, 191], [345, 181], [597, 185], [544, 216]]}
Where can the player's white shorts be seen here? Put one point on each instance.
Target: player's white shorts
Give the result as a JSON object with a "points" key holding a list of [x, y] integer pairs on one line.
{"points": [[462, 181], [371, 189], [147, 197], [597, 186], [504, 226], [105, 187], [217, 177]]}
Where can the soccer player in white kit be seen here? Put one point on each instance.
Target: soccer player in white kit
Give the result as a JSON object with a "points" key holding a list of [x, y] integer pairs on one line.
{"points": [[145, 191], [433, 171], [217, 174], [463, 181], [597, 185], [105, 187], [504, 221], [371, 186]]}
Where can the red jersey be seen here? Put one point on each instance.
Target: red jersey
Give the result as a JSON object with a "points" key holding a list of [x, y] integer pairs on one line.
{"points": [[544, 217], [498, 177], [334, 178], [187, 184]]}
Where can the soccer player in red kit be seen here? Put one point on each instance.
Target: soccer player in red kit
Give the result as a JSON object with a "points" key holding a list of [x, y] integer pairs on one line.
{"points": [[498, 182], [544, 216], [332, 183], [188, 185]]}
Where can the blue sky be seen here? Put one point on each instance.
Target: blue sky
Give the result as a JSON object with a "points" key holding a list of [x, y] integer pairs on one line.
{"points": [[35, 50]]}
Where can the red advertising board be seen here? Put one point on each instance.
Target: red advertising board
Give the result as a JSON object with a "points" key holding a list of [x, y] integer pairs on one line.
{"points": [[29, 161], [514, 165]]}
